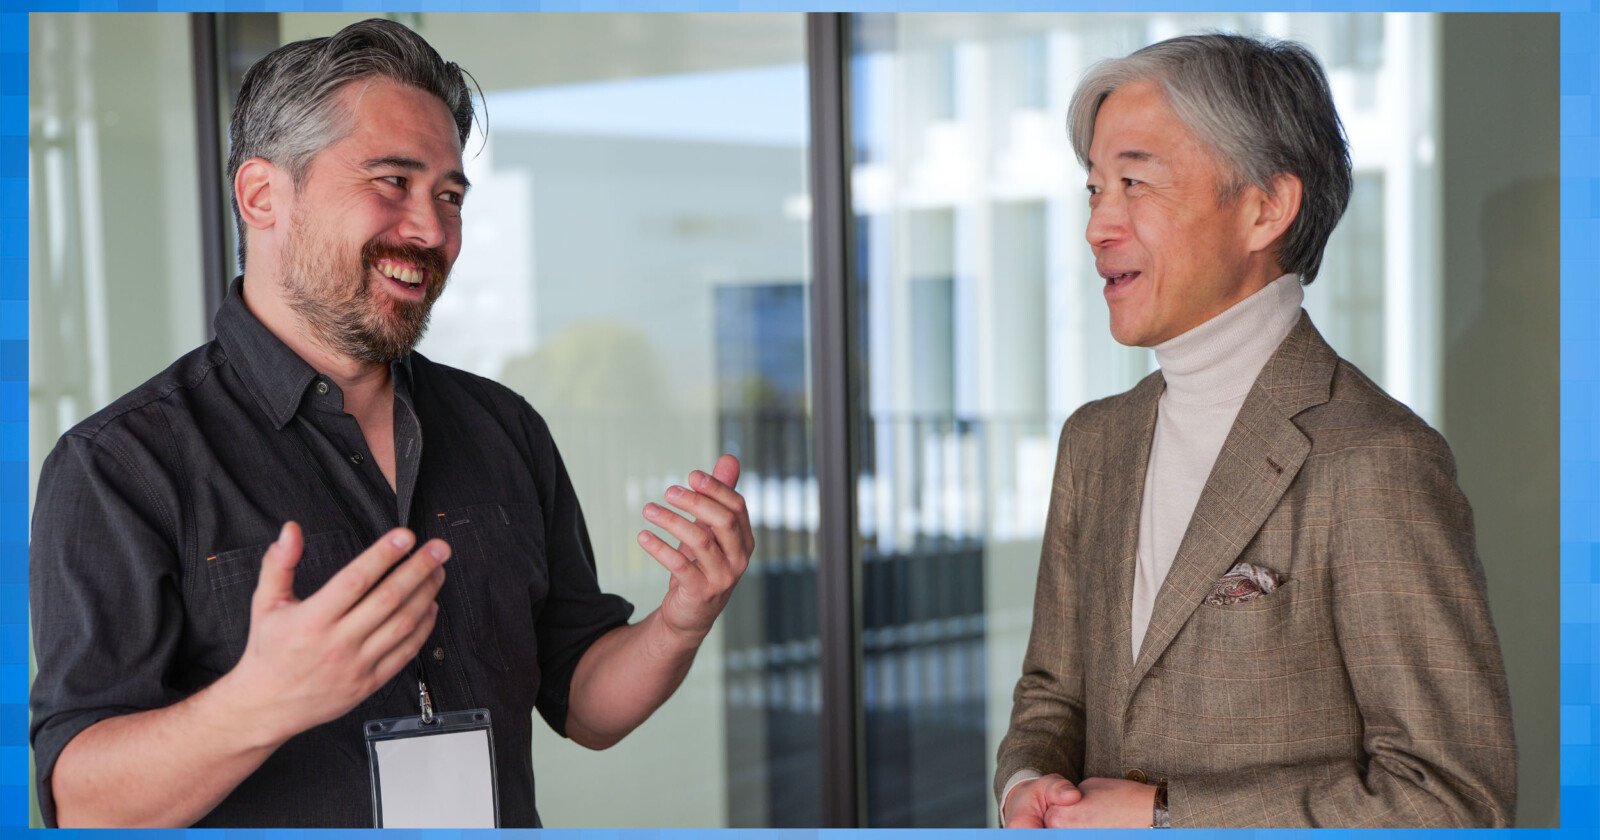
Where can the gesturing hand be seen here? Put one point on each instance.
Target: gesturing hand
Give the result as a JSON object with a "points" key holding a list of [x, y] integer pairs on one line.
{"points": [[713, 549], [313, 660]]}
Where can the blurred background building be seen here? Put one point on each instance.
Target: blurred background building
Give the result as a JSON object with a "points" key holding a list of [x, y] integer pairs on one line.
{"points": [[637, 263]]}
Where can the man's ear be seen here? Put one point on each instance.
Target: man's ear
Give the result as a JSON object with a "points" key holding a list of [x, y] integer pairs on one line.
{"points": [[254, 189], [1273, 211]]}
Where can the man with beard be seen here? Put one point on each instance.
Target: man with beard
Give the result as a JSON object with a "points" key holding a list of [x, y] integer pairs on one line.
{"points": [[240, 563]]}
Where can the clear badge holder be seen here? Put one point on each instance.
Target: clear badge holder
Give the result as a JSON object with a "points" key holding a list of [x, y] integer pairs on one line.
{"points": [[433, 771]]}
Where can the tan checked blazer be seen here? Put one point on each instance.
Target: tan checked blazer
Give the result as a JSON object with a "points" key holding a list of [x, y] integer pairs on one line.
{"points": [[1367, 690]]}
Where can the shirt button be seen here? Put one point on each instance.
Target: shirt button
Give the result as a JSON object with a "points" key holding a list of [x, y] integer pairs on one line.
{"points": [[355, 458], [438, 654], [322, 387], [1136, 775]]}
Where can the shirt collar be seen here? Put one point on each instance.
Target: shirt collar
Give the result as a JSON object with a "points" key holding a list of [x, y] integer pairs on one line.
{"points": [[277, 375]]}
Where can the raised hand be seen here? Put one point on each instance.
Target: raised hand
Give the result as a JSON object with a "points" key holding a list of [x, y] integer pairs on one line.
{"points": [[713, 551], [314, 660]]}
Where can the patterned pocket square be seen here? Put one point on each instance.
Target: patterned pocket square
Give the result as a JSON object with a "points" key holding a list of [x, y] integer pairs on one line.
{"points": [[1244, 582]]}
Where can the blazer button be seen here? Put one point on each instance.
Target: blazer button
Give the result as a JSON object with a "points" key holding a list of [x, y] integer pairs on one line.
{"points": [[1135, 775]]}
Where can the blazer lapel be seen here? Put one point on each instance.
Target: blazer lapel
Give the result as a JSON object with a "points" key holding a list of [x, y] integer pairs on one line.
{"points": [[1127, 464], [1259, 460]]}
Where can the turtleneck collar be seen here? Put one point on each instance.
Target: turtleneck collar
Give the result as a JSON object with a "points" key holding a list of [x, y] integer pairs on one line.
{"points": [[1219, 360]]}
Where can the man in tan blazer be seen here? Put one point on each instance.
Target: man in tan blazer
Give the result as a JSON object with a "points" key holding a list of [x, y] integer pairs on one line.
{"points": [[1259, 602]]}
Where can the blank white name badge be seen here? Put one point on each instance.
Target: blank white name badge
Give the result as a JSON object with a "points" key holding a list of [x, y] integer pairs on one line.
{"points": [[433, 775]]}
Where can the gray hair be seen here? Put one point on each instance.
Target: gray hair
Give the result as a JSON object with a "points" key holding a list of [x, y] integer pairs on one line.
{"points": [[288, 109], [1262, 105]]}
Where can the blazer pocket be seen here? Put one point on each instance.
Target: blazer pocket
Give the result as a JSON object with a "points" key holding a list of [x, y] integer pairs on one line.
{"points": [[1261, 603]]}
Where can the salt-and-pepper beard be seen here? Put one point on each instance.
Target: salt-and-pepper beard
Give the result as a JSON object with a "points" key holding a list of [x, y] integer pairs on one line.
{"points": [[336, 306]]}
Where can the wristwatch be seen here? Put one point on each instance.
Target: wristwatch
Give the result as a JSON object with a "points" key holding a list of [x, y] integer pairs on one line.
{"points": [[1159, 818]]}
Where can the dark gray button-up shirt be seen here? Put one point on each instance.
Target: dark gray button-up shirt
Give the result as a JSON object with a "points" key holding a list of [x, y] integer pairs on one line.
{"points": [[153, 514]]}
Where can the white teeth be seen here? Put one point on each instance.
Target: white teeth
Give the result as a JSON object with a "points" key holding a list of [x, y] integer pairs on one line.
{"points": [[408, 276]]}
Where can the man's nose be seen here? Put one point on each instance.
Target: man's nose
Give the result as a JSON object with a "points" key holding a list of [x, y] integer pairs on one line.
{"points": [[424, 223], [1107, 219]]}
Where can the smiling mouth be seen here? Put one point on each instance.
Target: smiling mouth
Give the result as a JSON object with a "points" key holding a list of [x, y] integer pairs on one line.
{"points": [[1120, 278], [407, 275]]}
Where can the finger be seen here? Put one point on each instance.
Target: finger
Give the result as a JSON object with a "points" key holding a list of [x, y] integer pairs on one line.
{"points": [[1025, 821], [390, 663], [706, 510], [724, 494], [723, 523], [694, 542], [686, 573], [1061, 818], [344, 589], [276, 583], [420, 573], [401, 623], [727, 471]]}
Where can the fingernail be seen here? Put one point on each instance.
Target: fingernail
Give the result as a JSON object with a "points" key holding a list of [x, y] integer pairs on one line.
{"points": [[644, 537], [674, 491], [400, 539], [440, 551], [283, 533], [652, 509], [697, 478]]}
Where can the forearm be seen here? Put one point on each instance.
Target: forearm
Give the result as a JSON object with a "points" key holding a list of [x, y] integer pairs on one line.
{"points": [[164, 767], [624, 677]]}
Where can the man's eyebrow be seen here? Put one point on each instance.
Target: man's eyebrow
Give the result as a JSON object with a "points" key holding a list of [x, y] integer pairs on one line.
{"points": [[1127, 154], [455, 176]]}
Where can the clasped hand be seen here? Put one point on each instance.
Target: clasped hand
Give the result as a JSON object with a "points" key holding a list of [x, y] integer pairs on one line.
{"points": [[713, 551], [1054, 802]]}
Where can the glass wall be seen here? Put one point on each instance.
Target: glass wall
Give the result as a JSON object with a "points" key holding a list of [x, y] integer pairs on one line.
{"points": [[113, 293], [986, 327]]}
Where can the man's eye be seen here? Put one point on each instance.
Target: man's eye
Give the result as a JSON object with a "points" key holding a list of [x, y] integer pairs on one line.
{"points": [[1093, 190], [397, 180], [1131, 182], [451, 198]]}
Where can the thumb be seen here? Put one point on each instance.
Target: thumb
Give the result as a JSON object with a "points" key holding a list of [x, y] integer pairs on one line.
{"points": [[726, 470], [276, 583], [1063, 792]]}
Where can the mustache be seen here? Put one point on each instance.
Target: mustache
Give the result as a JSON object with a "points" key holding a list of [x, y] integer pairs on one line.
{"points": [[431, 260]]}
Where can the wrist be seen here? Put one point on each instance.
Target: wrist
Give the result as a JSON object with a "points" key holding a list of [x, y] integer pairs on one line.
{"points": [[238, 711], [671, 643]]}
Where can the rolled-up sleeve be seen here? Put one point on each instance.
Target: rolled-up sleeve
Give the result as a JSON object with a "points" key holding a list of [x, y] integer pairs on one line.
{"points": [[575, 611], [103, 596]]}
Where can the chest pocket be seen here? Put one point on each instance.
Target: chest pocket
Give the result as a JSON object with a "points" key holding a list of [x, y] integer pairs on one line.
{"points": [[232, 576], [497, 577]]}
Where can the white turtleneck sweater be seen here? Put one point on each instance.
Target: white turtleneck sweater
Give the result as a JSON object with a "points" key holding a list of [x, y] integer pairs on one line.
{"points": [[1208, 371]]}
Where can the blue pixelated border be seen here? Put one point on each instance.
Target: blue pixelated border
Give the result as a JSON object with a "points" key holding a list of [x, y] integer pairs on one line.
{"points": [[1579, 377]]}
